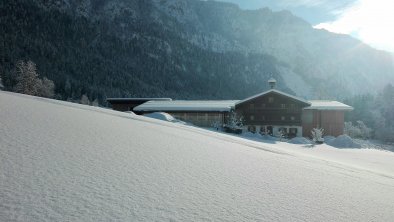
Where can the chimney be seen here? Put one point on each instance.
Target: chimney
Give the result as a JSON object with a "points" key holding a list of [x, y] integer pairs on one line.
{"points": [[272, 83]]}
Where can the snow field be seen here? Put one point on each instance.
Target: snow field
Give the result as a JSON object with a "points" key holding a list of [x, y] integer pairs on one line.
{"points": [[67, 162]]}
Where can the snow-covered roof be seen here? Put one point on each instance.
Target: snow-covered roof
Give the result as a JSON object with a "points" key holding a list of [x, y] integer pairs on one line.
{"points": [[273, 91], [327, 105], [187, 105], [134, 99]]}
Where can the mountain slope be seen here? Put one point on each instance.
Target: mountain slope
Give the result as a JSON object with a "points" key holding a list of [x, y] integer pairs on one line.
{"points": [[67, 162], [183, 49], [323, 60], [111, 55]]}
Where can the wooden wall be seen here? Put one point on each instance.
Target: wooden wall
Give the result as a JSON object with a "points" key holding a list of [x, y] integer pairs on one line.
{"points": [[331, 121], [202, 119], [122, 107], [271, 109]]}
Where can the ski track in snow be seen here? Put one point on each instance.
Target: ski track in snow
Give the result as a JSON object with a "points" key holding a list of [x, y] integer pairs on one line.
{"points": [[68, 162]]}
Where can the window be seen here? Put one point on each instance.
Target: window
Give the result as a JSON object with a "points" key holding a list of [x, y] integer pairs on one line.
{"points": [[283, 130], [262, 117], [292, 106], [251, 117], [252, 129], [269, 130], [283, 106], [283, 118], [292, 118], [251, 106], [270, 99], [293, 132], [262, 130]]}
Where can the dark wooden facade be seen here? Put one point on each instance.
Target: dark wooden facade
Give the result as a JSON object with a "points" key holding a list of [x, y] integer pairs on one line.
{"points": [[332, 121], [270, 110], [203, 119], [128, 104]]}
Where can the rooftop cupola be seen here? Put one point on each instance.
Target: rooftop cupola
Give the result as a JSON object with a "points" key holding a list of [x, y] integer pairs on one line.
{"points": [[272, 83]]}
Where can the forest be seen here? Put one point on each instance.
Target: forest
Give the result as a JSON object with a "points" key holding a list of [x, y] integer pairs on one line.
{"points": [[86, 58]]}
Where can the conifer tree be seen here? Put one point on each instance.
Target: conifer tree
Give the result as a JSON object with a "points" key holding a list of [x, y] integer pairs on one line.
{"points": [[27, 81]]}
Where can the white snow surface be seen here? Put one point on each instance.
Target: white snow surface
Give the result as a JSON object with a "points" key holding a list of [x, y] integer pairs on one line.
{"points": [[300, 140], [68, 162], [163, 116]]}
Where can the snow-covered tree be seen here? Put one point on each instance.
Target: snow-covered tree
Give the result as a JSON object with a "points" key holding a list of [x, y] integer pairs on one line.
{"points": [[365, 132], [46, 88], [27, 81], [351, 130], [85, 100], [1, 83], [317, 135], [235, 121], [95, 102], [357, 131]]}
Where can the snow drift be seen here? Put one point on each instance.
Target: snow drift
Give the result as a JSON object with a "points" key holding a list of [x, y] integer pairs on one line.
{"points": [[67, 162], [343, 141], [163, 116], [299, 140]]}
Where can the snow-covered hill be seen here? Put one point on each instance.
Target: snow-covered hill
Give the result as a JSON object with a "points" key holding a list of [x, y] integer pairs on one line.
{"points": [[67, 162]]}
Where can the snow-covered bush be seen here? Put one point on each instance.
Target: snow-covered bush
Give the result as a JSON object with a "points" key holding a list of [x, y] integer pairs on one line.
{"points": [[317, 135], [343, 141], [357, 131], [216, 125], [281, 134]]}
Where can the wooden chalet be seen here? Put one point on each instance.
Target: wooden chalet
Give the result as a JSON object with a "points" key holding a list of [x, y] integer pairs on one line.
{"points": [[272, 112]]}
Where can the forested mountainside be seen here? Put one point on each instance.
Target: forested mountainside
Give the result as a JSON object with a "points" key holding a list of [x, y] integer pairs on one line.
{"points": [[184, 49]]}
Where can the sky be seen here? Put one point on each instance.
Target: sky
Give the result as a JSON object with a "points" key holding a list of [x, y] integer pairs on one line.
{"points": [[371, 21]]}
